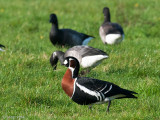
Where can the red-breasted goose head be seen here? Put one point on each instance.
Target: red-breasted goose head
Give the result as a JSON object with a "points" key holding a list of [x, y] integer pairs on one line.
{"points": [[72, 64]]}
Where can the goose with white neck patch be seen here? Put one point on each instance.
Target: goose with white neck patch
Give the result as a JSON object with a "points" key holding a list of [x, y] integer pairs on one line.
{"points": [[89, 91], [110, 33]]}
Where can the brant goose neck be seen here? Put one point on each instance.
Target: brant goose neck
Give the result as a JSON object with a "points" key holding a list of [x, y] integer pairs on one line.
{"points": [[54, 29], [89, 91], [57, 55], [106, 13]]}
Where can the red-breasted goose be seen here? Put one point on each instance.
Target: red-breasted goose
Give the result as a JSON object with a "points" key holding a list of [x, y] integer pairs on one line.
{"points": [[110, 33], [1, 47], [89, 91], [88, 57], [66, 36]]}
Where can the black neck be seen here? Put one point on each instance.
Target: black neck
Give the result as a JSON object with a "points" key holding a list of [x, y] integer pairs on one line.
{"points": [[75, 69], [54, 28], [75, 72], [107, 17]]}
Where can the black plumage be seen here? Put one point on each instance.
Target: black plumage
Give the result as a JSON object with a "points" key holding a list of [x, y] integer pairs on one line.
{"points": [[88, 91], [67, 37], [102, 90], [108, 28]]}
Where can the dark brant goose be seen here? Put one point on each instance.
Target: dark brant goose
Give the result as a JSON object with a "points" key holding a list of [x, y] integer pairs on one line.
{"points": [[89, 91], [66, 36], [1, 47], [110, 33], [88, 57]]}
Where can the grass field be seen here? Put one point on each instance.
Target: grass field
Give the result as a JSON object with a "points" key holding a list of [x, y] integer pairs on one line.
{"points": [[30, 89]]}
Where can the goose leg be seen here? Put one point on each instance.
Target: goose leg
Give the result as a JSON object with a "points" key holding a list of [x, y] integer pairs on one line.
{"points": [[109, 103]]}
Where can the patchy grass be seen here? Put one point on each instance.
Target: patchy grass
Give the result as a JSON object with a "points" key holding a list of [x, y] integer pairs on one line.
{"points": [[30, 89]]}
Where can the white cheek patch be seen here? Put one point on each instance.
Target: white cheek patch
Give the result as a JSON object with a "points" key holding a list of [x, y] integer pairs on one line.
{"points": [[114, 38], [55, 53], [65, 62], [89, 61]]}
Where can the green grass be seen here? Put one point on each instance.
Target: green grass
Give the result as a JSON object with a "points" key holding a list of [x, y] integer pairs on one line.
{"points": [[29, 89]]}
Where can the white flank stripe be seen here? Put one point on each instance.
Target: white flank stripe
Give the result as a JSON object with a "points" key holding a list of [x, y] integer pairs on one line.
{"points": [[103, 88], [103, 96], [86, 90], [85, 42], [89, 61], [74, 86], [109, 98], [108, 90], [113, 97]]}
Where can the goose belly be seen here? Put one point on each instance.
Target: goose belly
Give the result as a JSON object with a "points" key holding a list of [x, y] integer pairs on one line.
{"points": [[114, 38], [92, 61]]}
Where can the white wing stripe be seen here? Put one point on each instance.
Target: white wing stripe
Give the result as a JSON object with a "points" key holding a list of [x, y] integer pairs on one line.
{"points": [[90, 92], [108, 90], [103, 88]]}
